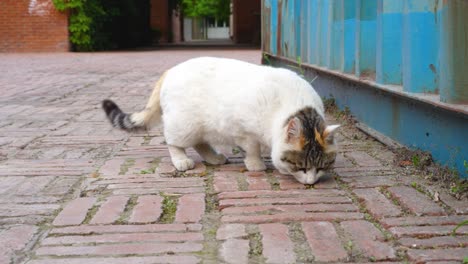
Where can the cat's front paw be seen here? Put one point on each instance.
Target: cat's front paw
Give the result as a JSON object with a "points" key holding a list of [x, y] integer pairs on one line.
{"points": [[255, 165], [217, 159], [184, 164]]}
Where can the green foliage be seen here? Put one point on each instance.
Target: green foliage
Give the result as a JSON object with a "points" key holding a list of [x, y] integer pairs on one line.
{"points": [[416, 161], [169, 206], [219, 9], [104, 24], [81, 20], [463, 223]]}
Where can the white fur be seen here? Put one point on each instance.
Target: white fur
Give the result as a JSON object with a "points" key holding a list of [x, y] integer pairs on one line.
{"points": [[230, 102]]}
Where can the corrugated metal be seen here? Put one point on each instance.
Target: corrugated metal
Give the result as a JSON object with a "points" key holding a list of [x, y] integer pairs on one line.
{"points": [[411, 43], [410, 55]]}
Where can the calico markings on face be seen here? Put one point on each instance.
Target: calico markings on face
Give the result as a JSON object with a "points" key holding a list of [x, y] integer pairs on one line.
{"points": [[310, 148]]}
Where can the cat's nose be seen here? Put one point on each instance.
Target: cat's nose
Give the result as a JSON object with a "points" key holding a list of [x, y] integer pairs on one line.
{"points": [[307, 178]]}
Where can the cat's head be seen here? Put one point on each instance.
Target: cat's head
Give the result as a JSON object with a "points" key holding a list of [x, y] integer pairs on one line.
{"points": [[307, 147]]}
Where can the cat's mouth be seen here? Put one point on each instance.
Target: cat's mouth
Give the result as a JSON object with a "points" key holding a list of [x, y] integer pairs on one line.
{"points": [[308, 177]]}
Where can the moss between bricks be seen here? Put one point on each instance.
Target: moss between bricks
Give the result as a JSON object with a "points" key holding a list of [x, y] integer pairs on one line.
{"points": [[152, 169], [210, 244], [210, 221], [394, 200], [146, 140], [90, 214], [273, 181], [211, 199], [169, 208], [242, 183], [132, 202], [388, 237], [126, 165], [255, 244], [301, 247]]}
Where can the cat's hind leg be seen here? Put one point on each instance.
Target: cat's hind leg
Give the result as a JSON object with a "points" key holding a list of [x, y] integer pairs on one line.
{"points": [[209, 154], [179, 158], [253, 158]]}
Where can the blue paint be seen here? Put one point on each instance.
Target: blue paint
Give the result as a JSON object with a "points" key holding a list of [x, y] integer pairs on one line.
{"points": [[349, 24], [313, 25], [304, 32], [273, 26], [297, 27], [420, 49], [419, 44], [288, 28], [336, 38], [413, 124], [453, 52], [367, 37], [323, 33], [389, 42]]}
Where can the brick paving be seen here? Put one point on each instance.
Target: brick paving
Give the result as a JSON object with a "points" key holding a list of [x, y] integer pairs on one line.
{"points": [[74, 190]]}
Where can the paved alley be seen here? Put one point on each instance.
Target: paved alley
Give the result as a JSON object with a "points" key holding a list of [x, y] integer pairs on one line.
{"points": [[75, 190]]}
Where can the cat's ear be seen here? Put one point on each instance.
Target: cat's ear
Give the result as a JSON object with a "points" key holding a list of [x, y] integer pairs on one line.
{"points": [[329, 132], [294, 130], [328, 136]]}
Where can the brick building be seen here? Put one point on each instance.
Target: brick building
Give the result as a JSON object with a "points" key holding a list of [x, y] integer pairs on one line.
{"points": [[246, 20], [31, 26], [36, 26]]}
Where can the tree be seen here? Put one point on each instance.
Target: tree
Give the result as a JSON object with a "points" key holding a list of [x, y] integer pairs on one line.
{"points": [[219, 9]]}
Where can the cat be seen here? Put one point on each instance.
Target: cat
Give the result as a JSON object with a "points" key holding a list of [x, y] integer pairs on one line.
{"points": [[204, 102]]}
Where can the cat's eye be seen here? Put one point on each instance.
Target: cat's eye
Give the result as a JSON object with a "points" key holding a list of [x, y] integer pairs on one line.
{"points": [[319, 169], [303, 170]]}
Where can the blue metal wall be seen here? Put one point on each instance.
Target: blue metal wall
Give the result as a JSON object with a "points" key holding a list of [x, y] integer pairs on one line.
{"points": [[416, 50]]}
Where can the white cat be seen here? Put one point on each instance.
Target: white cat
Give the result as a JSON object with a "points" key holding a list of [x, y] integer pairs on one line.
{"points": [[214, 101]]}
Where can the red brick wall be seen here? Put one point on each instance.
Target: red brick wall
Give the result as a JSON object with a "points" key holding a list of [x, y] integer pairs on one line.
{"points": [[31, 26]]}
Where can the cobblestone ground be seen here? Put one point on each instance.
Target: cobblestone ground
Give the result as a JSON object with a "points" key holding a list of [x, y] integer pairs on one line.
{"points": [[74, 190]]}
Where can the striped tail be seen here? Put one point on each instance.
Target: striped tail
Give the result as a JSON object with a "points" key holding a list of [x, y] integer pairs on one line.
{"points": [[150, 116], [119, 119]]}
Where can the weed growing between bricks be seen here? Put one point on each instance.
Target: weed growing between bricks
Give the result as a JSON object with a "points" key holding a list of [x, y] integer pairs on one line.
{"points": [[169, 208], [152, 169], [91, 213], [420, 163], [384, 191], [273, 181], [255, 244], [211, 199], [301, 247], [126, 165], [346, 242], [242, 183], [132, 202], [413, 162], [431, 194], [349, 246], [210, 220], [146, 140]]}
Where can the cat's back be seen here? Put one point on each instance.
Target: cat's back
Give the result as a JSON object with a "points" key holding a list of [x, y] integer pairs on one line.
{"points": [[238, 84], [223, 79], [211, 69], [224, 74]]}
